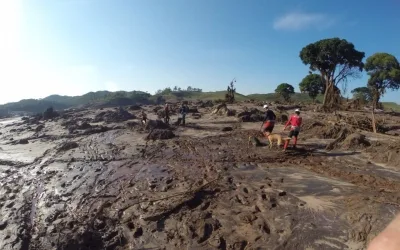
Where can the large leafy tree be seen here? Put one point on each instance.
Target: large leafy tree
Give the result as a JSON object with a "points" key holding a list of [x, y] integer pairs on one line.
{"points": [[384, 72], [337, 61], [313, 85], [363, 94], [284, 90]]}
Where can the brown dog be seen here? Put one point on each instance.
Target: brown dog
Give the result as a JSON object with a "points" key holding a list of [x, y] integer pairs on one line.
{"points": [[275, 137]]}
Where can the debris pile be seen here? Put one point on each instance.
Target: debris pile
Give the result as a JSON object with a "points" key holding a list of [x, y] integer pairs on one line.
{"points": [[355, 141], [135, 107], [205, 104], [67, 146], [338, 132], [50, 114], [385, 153], [222, 109], [114, 116], [160, 134], [156, 124]]}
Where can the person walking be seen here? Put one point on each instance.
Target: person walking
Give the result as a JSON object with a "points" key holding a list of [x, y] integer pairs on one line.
{"points": [[294, 122], [268, 122]]}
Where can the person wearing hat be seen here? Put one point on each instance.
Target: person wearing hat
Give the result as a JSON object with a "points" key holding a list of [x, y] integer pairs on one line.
{"points": [[294, 122], [268, 122]]}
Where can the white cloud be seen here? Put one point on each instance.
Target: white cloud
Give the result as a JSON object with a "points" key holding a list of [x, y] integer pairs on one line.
{"points": [[300, 20]]}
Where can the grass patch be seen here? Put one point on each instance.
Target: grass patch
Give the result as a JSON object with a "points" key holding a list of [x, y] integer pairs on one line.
{"points": [[391, 105]]}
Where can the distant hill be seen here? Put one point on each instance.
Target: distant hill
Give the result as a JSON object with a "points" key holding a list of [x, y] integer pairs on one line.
{"points": [[123, 98]]}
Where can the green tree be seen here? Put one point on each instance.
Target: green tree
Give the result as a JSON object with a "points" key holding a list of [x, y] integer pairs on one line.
{"points": [[337, 61], [313, 85], [363, 94], [384, 72], [167, 91], [284, 90]]}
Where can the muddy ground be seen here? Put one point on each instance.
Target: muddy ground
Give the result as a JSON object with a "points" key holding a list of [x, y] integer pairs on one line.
{"points": [[99, 179]]}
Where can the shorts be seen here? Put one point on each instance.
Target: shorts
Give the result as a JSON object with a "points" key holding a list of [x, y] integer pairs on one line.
{"points": [[268, 127], [294, 133]]}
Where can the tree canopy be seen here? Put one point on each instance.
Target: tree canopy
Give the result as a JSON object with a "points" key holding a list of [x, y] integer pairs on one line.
{"points": [[384, 72], [313, 85], [363, 94], [284, 90], [336, 60]]}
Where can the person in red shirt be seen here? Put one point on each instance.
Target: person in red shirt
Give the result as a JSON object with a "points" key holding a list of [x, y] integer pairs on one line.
{"points": [[294, 122]]}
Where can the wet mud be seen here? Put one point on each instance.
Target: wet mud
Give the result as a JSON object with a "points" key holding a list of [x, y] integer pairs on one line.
{"points": [[202, 186]]}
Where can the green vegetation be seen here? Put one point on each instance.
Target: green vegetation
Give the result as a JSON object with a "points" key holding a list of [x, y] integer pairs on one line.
{"points": [[384, 72], [336, 60], [313, 85], [391, 106], [363, 94], [296, 97], [284, 90]]}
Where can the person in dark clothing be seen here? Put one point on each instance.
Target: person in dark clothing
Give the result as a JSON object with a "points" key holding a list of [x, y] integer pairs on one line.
{"points": [[183, 111], [166, 110], [268, 122]]}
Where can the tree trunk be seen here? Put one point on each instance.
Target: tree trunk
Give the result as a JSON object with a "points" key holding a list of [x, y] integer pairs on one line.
{"points": [[325, 95], [329, 97], [373, 117]]}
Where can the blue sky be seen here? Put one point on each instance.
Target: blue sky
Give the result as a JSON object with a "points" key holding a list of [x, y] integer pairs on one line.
{"points": [[71, 47]]}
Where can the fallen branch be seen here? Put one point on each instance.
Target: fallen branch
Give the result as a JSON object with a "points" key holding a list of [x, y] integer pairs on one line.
{"points": [[192, 191]]}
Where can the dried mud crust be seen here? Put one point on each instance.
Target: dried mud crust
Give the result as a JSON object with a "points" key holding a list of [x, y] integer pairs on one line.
{"points": [[114, 190]]}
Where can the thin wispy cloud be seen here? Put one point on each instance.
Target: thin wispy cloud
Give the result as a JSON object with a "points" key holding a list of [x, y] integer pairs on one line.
{"points": [[295, 21]]}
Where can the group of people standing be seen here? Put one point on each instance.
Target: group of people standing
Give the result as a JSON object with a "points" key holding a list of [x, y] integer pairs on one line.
{"points": [[183, 110], [294, 123]]}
